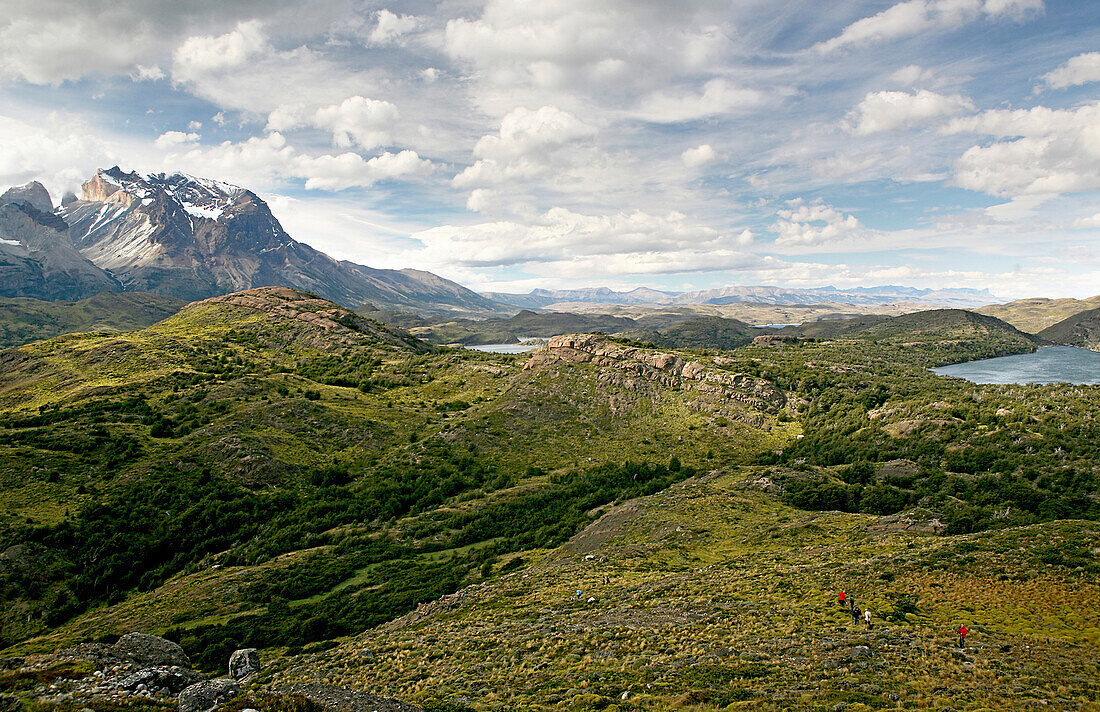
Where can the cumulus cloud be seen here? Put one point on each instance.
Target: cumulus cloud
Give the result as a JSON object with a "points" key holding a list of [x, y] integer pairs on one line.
{"points": [[269, 158], [1092, 221], [205, 54], [173, 139], [1082, 69], [916, 16], [889, 110], [59, 152], [699, 156], [356, 120], [812, 224], [1044, 151], [390, 26], [350, 170], [529, 143], [718, 97]]}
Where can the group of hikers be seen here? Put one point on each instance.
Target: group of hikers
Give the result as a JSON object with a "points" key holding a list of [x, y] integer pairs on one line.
{"points": [[865, 616]]}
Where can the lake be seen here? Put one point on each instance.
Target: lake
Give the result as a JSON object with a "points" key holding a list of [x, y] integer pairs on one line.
{"points": [[1050, 364], [504, 348]]}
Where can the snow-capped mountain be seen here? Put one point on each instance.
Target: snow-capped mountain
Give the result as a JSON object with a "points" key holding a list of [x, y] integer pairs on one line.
{"points": [[193, 238]]}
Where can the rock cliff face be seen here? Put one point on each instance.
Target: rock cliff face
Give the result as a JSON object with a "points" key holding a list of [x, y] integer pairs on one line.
{"points": [[664, 368], [37, 259], [33, 193]]}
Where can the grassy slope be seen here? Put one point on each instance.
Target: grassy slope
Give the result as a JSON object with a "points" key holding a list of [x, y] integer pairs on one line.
{"points": [[231, 381], [26, 320], [709, 595], [1081, 329], [1034, 315]]}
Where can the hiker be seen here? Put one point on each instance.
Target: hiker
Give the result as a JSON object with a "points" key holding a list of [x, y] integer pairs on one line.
{"points": [[840, 598], [855, 614], [867, 617], [963, 631]]}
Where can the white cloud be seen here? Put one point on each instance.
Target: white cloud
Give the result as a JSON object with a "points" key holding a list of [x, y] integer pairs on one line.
{"points": [[205, 54], [718, 97], [916, 16], [147, 74], [429, 75], [356, 120], [1082, 69], [266, 160], [1047, 151], [810, 224], [350, 170], [59, 152], [173, 139], [911, 74], [194, 125], [889, 110], [391, 26], [1089, 222], [529, 143], [699, 156], [634, 242]]}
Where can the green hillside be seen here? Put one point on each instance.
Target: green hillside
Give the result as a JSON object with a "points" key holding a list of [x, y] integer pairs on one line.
{"points": [[708, 332], [269, 470], [25, 320], [1034, 315], [1081, 329]]}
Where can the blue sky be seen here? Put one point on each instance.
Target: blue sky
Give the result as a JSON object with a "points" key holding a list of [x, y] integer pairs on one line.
{"points": [[514, 144]]}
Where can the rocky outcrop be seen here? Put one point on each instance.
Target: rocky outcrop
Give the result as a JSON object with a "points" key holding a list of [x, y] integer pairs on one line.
{"points": [[908, 522], [207, 695], [244, 663], [342, 699], [150, 650], [667, 369]]}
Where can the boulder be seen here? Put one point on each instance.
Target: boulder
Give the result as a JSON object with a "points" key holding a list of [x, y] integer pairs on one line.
{"points": [[243, 663], [172, 680], [861, 651], [151, 651], [206, 696]]}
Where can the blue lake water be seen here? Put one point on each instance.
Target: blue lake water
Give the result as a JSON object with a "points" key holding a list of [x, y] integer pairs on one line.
{"points": [[1051, 364], [504, 348]]}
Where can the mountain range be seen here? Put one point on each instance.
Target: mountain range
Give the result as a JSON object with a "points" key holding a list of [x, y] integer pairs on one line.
{"points": [[865, 296], [190, 238]]}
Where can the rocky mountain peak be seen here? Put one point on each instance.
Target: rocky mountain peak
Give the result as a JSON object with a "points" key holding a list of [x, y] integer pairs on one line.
{"points": [[33, 193]]}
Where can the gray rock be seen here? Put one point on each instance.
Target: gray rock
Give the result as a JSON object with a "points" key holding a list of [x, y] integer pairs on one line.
{"points": [[151, 651], [207, 695], [243, 663], [861, 651], [172, 679], [34, 193]]}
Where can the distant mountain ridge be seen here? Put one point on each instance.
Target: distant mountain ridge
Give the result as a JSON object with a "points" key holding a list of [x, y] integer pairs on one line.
{"points": [[191, 238], [865, 296]]}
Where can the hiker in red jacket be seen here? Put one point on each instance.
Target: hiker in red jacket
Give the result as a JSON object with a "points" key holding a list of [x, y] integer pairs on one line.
{"points": [[963, 630], [841, 598]]}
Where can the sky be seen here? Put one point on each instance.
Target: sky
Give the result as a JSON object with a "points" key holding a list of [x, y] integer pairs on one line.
{"points": [[675, 144]]}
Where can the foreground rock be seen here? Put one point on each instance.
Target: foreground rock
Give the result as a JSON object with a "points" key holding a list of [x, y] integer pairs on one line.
{"points": [[244, 663], [208, 695], [151, 650]]}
